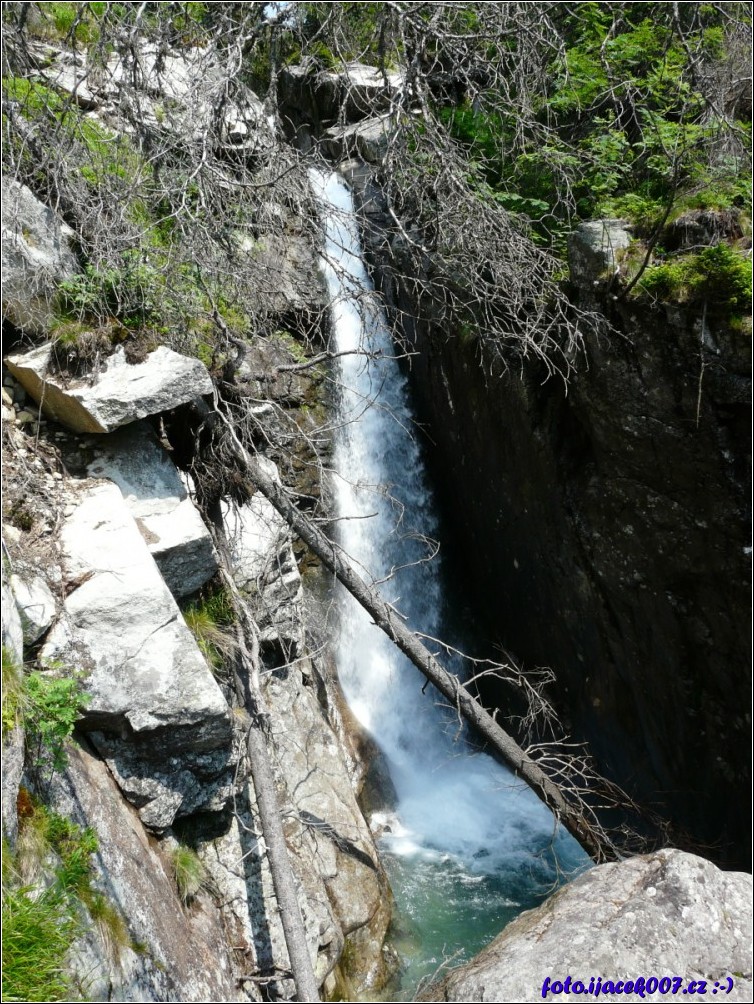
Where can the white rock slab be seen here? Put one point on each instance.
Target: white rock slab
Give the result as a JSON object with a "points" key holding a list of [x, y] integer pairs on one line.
{"points": [[143, 666], [72, 73], [150, 688], [157, 498], [119, 394]]}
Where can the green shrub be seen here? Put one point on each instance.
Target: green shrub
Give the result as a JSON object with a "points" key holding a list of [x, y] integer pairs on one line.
{"points": [[621, 127], [129, 290], [51, 707], [325, 56], [34, 98], [718, 276], [71, 22], [718, 194], [100, 155]]}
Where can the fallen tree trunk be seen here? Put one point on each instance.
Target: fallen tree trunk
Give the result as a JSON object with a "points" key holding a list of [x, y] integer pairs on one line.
{"points": [[248, 691], [280, 866], [567, 808]]}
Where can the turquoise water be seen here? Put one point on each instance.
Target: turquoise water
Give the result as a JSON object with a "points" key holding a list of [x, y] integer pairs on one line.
{"points": [[446, 912]]}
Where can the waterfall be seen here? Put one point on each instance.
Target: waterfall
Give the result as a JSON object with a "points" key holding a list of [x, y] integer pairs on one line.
{"points": [[468, 846]]}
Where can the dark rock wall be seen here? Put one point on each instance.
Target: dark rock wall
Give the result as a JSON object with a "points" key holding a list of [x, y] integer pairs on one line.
{"points": [[603, 532]]}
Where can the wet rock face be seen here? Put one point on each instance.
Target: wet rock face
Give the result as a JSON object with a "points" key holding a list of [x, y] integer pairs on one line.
{"points": [[668, 914], [603, 533]]}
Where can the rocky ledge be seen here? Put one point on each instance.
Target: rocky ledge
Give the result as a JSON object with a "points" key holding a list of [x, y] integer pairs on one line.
{"points": [[669, 914]]}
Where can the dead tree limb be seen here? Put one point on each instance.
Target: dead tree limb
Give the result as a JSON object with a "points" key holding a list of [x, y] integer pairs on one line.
{"points": [[249, 692], [567, 807], [280, 866]]}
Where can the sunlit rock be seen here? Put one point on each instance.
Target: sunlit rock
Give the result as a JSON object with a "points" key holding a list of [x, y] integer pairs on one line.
{"points": [[71, 73], [13, 632], [324, 96], [238, 865], [368, 139], [36, 257], [594, 248], [178, 94], [332, 832], [669, 914], [13, 737], [264, 564], [154, 707], [36, 604], [119, 393], [153, 490]]}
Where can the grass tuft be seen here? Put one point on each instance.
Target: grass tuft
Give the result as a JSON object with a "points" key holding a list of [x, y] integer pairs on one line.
{"points": [[188, 871], [210, 620], [13, 690], [38, 931]]}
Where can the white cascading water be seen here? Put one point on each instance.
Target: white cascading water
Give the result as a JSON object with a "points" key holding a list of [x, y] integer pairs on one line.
{"points": [[468, 846]]}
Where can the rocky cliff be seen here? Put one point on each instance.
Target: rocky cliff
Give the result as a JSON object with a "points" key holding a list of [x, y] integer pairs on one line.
{"points": [[602, 524], [160, 749], [111, 584]]}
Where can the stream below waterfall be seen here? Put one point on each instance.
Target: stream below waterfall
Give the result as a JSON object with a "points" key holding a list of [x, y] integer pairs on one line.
{"points": [[468, 847]]}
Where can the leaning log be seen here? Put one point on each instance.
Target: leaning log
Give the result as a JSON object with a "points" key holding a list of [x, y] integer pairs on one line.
{"points": [[566, 806]]}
